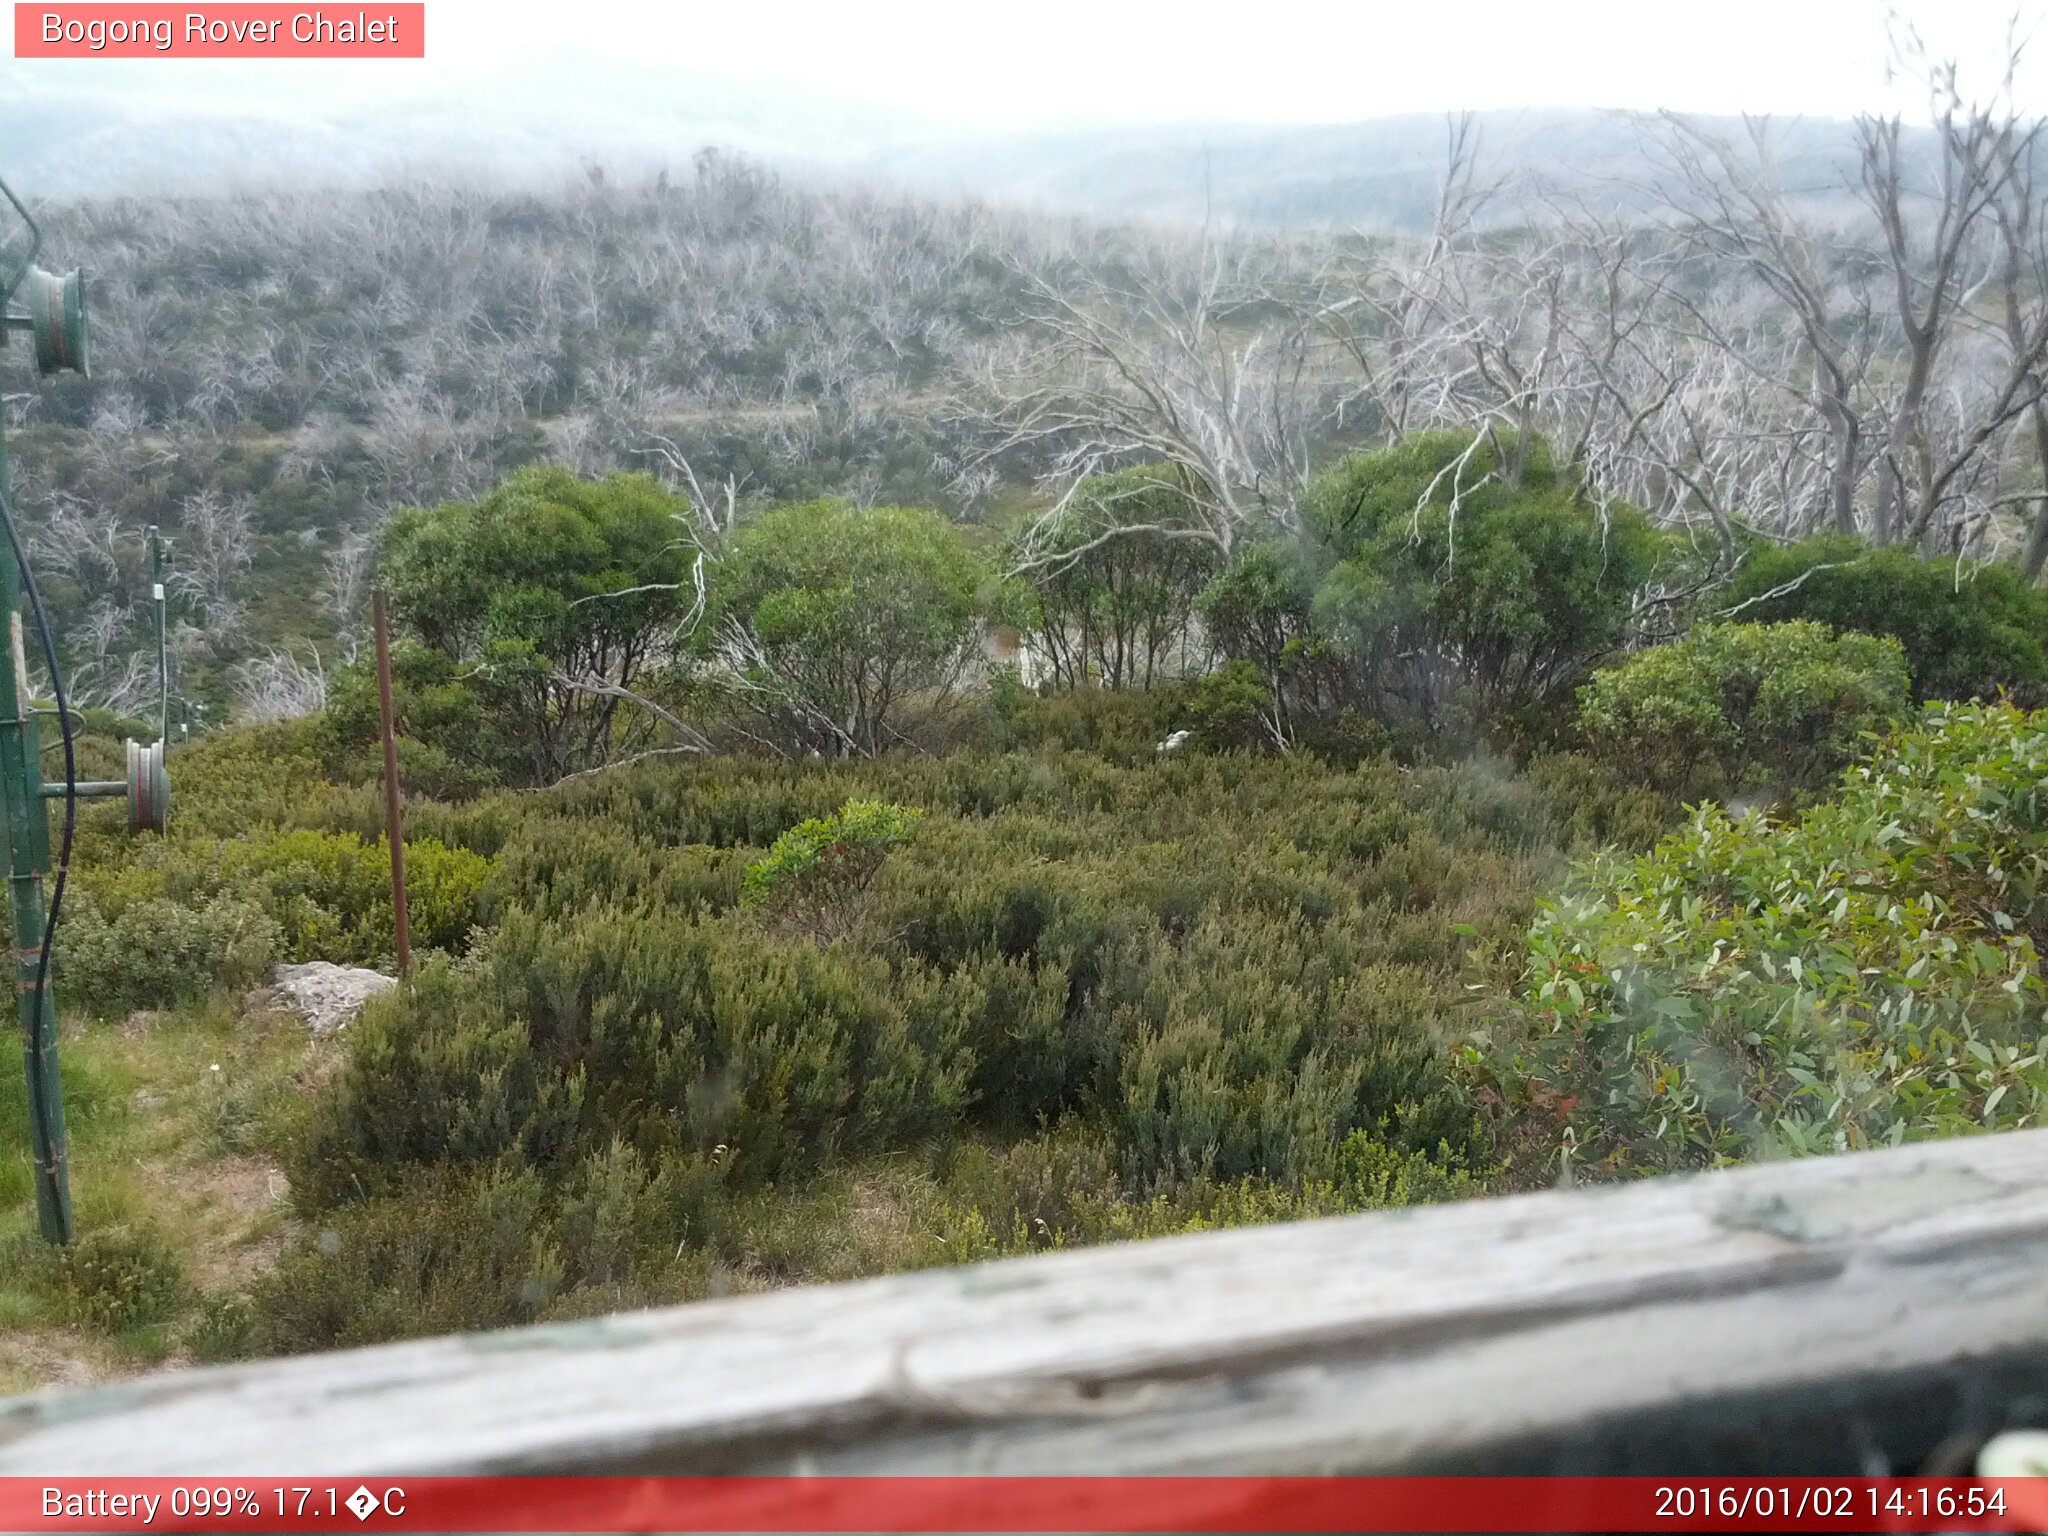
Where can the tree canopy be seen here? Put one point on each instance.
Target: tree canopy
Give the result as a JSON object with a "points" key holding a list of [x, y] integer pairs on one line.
{"points": [[833, 620], [1115, 585], [1456, 585], [553, 593], [1738, 707], [1969, 630]]}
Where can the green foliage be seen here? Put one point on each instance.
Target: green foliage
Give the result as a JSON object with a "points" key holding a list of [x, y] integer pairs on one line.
{"points": [[227, 782], [1864, 974], [1124, 726], [1969, 630], [1113, 590], [225, 1329], [332, 892], [1222, 984], [114, 1279], [1060, 1189], [311, 895], [1733, 708], [847, 618], [694, 1041], [817, 873], [513, 565], [1233, 707], [453, 1255], [1464, 590], [456, 738], [541, 584], [1282, 674], [154, 952], [265, 860]]}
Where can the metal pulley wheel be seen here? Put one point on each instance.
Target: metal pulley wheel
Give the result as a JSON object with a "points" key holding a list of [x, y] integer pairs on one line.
{"points": [[56, 307], [149, 788]]}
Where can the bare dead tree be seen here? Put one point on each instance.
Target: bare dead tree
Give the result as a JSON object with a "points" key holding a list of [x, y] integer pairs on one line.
{"points": [[1399, 311], [1944, 254], [344, 591], [1179, 360], [217, 547], [706, 525], [2023, 312], [1729, 197], [277, 685], [1921, 333]]}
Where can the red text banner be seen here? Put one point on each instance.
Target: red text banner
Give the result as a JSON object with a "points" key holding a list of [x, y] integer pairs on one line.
{"points": [[1022, 1504], [225, 31]]}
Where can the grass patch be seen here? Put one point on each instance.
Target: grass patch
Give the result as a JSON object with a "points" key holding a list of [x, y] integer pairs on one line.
{"points": [[178, 1206]]}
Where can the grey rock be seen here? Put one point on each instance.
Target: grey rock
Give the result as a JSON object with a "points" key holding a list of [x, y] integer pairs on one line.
{"points": [[328, 997]]}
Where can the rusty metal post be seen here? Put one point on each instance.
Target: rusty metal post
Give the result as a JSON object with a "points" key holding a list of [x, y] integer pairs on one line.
{"points": [[393, 823]]}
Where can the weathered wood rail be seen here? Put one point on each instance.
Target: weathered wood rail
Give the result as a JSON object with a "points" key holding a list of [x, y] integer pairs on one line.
{"points": [[1862, 1313]]}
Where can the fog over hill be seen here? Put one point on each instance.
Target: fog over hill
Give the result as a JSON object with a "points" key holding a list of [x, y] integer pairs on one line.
{"points": [[1380, 174], [116, 129]]}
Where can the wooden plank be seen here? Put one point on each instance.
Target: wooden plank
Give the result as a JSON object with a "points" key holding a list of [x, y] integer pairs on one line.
{"points": [[1382, 1342]]}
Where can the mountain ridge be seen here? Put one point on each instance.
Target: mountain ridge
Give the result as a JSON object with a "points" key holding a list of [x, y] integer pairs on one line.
{"points": [[106, 137]]}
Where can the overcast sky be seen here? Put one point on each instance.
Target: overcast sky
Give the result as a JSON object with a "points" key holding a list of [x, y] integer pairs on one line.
{"points": [[1034, 64]]}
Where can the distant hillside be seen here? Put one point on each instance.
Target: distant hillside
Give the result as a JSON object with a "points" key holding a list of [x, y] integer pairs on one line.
{"points": [[1381, 174], [114, 131]]}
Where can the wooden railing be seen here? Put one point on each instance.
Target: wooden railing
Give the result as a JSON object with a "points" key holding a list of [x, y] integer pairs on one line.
{"points": [[1873, 1312]]}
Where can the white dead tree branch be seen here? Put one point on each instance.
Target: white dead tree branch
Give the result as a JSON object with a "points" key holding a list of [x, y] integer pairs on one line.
{"points": [[1186, 359], [277, 685]]}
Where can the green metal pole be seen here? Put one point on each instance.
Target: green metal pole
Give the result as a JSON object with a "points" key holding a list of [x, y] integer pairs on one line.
{"points": [[27, 830]]}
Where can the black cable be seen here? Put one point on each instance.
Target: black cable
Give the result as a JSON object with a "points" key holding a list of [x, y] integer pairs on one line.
{"points": [[35, 599]]}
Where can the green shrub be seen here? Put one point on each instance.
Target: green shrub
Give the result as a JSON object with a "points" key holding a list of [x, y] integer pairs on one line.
{"points": [[817, 874], [545, 580], [155, 952], [1217, 987], [1124, 726], [331, 893], [227, 1328], [849, 615], [1281, 674], [1734, 708], [453, 1254], [1113, 589], [1061, 1188], [1610, 807], [1968, 630], [265, 860], [227, 782], [455, 739], [115, 1279], [327, 895], [687, 1039], [1469, 584], [1234, 707], [559, 866], [1866, 973]]}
